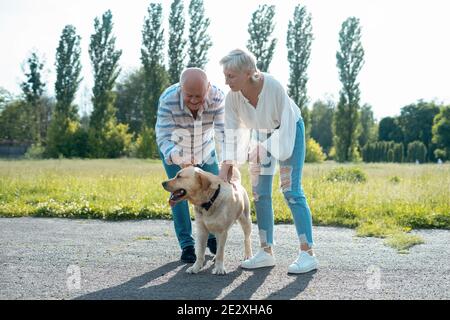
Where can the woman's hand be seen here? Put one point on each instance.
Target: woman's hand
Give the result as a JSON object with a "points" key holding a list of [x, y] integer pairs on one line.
{"points": [[258, 155]]}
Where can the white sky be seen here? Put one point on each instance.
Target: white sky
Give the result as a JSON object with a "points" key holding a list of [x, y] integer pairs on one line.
{"points": [[406, 42]]}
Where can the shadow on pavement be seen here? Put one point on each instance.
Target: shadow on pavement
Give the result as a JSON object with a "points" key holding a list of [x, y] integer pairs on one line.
{"points": [[296, 287], [202, 286], [180, 285]]}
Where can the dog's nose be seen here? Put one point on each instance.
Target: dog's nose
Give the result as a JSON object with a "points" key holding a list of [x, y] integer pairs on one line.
{"points": [[164, 184]]}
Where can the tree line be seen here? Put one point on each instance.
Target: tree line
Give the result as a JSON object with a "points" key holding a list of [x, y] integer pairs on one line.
{"points": [[124, 112]]}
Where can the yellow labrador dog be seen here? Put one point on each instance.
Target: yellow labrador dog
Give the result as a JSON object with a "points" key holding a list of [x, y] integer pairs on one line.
{"points": [[217, 205]]}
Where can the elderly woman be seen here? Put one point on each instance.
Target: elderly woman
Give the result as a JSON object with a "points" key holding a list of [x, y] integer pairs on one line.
{"points": [[258, 102]]}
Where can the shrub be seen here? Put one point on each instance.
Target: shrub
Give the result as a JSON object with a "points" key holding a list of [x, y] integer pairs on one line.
{"points": [[145, 145], [440, 154], [417, 151], [314, 151], [353, 175], [394, 180], [35, 151], [68, 140], [112, 141]]}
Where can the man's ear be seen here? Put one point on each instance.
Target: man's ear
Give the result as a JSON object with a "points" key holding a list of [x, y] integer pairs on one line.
{"points": [[204, 181]]}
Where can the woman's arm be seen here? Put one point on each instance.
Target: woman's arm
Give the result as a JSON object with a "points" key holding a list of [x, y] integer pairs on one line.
{"points": [[281, 142]]}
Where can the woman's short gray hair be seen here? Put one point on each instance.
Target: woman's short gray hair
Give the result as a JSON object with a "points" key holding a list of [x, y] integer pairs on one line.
{"points": [[241, 60]]}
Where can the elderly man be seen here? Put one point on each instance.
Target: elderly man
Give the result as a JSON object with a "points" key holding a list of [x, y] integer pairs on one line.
{"points": [[189, 112]]}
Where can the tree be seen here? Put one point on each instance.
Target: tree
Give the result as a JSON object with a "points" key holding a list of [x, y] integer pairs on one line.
{"points": [[350, 60], [130, 92], [441, 133], [368, 126], [416, 121], [299, 38], [260, 29], [154, 75], [104, 59], [176, 42], [417, 151], [5, 98], [65, 120], [390, 130], [68, 70], [33, 89], [322, 124], [398, 152], [383, 151], [15, 124], [199, 40], [106, 138]]}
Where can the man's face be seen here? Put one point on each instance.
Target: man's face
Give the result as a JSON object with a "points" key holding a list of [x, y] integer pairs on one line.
{"points": [[194, 94]]}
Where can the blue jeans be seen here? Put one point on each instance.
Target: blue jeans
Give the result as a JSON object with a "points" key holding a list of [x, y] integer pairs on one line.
{"points": [[291, 186], [180, 212]]}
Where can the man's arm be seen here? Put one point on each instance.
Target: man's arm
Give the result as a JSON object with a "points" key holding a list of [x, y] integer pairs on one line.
{"points": [[165, 125]]}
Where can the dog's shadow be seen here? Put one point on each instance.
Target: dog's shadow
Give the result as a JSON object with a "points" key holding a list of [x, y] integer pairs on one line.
{"points": [[169, 282], [161, 284]]}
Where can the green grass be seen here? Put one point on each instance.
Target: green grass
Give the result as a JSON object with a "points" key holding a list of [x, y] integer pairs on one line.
{"points": [[390, 201]]}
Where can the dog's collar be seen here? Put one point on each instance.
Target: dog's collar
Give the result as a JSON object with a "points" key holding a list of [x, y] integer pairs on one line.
{"points": [[208, 204]]}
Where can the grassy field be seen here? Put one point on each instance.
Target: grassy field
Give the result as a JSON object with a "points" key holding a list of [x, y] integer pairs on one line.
{"points": [[394, 199]]}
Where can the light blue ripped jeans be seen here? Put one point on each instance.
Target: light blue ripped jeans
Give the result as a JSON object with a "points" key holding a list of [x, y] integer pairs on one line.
{"points": [[291, 186]]}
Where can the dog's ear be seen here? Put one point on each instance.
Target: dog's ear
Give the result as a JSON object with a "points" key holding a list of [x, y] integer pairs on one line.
{"points": [[204, 180]]}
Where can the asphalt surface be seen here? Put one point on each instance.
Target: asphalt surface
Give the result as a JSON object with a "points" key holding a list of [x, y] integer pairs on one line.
{"points": [[91, 259]]}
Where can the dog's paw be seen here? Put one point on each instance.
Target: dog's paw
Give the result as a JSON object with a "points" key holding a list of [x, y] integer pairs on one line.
{"points": [[219, 270], [194, 269]]}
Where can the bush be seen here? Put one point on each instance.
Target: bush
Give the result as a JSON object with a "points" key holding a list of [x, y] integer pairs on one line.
{"points": [[390, 155], [417, 151], [353, 175], [35, 151], [440, 154], [145, 145], [383, 151], [314, 151], [394, 180], [66, 139], [113, 141], [118, 141], [332, 154]]}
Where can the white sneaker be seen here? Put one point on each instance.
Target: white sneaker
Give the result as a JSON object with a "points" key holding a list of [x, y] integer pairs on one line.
{"points": [[259, 260], [304, 263]]}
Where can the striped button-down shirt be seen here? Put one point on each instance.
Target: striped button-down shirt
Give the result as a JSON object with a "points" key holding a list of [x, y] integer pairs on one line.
{"points": [[182, 139]]}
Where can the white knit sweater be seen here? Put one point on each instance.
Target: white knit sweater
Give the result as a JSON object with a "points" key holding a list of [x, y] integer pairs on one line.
{"points": [[274, 111]]}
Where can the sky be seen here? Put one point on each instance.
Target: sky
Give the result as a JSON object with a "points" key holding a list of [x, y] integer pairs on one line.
{"points": [[406, 43]]}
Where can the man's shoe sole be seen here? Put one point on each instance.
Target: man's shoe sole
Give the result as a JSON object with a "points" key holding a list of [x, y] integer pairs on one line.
{"points": [[187, 261]]}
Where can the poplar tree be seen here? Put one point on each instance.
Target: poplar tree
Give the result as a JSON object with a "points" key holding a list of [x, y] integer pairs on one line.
{"points": [[350, 60], [260, 30]]}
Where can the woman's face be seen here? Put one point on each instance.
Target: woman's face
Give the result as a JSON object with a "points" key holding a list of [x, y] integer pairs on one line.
{"points": [[236, 80]]}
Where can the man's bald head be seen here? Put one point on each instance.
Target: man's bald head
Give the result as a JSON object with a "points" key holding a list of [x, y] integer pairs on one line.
{"points": [[193, 75], [194, 85]]}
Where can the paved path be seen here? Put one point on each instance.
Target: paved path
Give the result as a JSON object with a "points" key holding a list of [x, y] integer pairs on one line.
{"points": [[42, 259]]}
